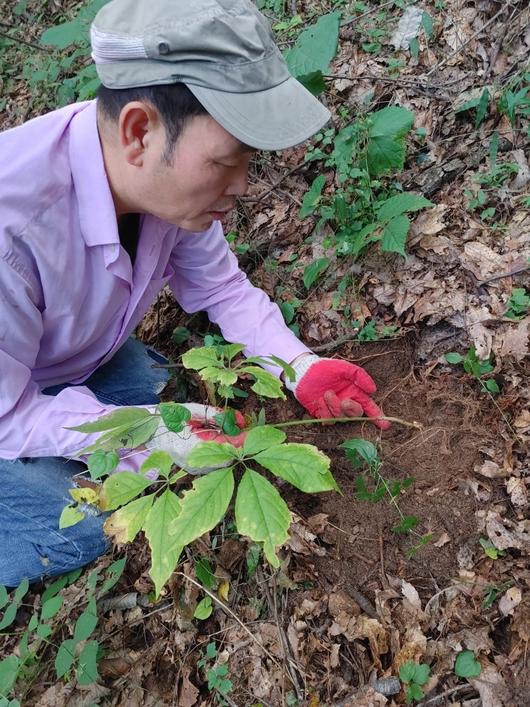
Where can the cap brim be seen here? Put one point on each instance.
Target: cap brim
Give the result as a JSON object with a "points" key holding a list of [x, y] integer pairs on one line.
{"points": [[274, 119]]}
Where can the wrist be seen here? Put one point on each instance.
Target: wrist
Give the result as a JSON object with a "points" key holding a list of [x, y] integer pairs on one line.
{"points": [[301, 365]]}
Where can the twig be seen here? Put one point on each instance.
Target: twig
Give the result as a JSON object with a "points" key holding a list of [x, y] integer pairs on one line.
{"points": [[365, 14], [364, 603], [17, 40], [445, 694], [510, 273], [229, 611], [260, 197], [324, 420], [470, 39]]}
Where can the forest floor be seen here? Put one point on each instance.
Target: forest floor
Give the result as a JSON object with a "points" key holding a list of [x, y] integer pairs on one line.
{"points": [[353, 600]]}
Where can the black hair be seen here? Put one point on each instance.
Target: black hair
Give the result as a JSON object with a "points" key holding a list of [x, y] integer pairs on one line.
{"points": [[174, 102]]}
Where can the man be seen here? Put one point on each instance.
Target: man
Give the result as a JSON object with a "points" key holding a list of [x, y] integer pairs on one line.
{"points": [[105, 202]]}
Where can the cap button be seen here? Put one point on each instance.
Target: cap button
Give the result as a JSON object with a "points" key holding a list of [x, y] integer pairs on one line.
{"points": [[163, 48]]}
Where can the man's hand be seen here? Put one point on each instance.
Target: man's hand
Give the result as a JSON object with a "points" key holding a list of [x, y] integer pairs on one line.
{"points": [[202, 427], [329, 387]]}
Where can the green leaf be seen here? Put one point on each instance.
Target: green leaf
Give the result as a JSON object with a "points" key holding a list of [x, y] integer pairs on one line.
{"points": [[9, 615], [302, 465], [101, 463], [123, 416], [426, 22], [492, 386], [315, 47], [4, 596], [70, 515], [204, 609], [53, 588], [414, 692], [262, 437], [223, 376], [453, 357], [86, 622], [158, 460], [262, 514], [227, 422], [120, 488], [87, 671], [314, 270], [21, 591], [51, 607], [65, 657], [125, 523], [312, 197], [174, 416], [203, 506], [386, 146], [482, 107], [44, 630], [180, 335], [8, 673], [204, 573], [466, 665], [164, 552], [202, 357], [395, 235], [407, 671], [406, 524], [64, 35], [266, 384], [113, 574], [401, 204], [360, 449], [314, 82], [211, 454], [421, 673]]}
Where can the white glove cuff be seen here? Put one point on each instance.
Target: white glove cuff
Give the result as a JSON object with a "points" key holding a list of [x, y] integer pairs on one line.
{"points": [[301, 367]]}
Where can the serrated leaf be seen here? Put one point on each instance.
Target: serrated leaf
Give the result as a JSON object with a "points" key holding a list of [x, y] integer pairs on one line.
{"points": [[165, 552], [312, 197], [201, 357], [51, 607], [265, 384], [65, 657], [223, 376], [314, 270], [262, 514], [87, 670], [302, 465], [386, 145], [262, 437], [203, 506], [8, 673], [117, 418], [230, 350], [100, 463], [204, 609], [64, 35], [227, 422], [421, 673], [211, 454], [174, 416], [120, 488], [394, 235], [414, 692], [86, 622], [401, 204], [158, 460], [84, 495], [70, 515], [360, 449], [466, 665], [406, 671], [315, 47]]}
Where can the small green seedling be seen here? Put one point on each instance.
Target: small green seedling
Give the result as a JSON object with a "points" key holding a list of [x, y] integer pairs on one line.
{"points": [[466, 665], [490, 550], [414, 676], [518, 304], [475, 367], [218, 682], [373, 487]]}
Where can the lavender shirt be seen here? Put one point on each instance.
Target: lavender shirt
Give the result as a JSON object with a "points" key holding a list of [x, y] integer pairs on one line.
{"points": [[69, 296]]}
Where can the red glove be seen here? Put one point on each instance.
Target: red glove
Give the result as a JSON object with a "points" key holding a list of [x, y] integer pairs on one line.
{"points": [[329, 387]]}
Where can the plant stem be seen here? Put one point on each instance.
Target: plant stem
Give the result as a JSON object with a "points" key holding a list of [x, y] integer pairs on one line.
{"points": [[325, 420]]}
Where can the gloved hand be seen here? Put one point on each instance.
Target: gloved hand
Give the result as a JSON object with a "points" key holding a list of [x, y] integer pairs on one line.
{"points": [[329, 387], [201, 427]]}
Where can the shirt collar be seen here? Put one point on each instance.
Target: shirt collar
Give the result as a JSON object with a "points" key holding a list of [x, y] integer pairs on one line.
{"points": [[97, 215]]}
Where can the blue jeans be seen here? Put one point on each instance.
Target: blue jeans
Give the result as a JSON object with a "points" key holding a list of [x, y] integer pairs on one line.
{"points": [[33, 492]]}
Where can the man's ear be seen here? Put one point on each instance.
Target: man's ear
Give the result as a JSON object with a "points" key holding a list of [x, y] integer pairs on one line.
{"points": [[137, 124]]}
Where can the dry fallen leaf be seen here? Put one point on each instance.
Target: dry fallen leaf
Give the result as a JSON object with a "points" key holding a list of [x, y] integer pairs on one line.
{"points": [[509, 600]]}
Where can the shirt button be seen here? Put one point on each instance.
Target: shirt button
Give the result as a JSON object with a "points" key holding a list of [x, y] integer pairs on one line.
{"points": [[163, 48]]}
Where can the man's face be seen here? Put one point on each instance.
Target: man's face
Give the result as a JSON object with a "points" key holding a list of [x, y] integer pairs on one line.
{"points": [[208, 170]]}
